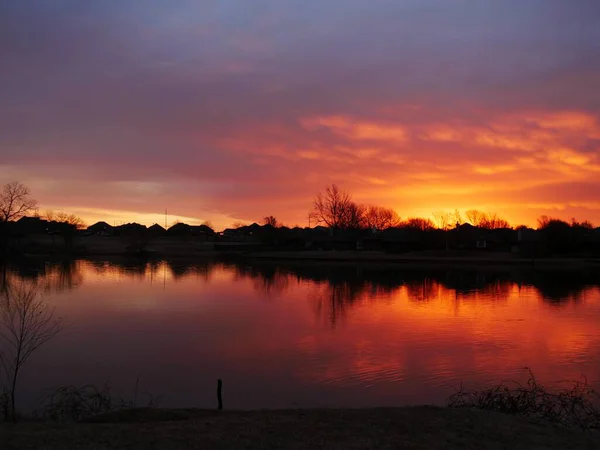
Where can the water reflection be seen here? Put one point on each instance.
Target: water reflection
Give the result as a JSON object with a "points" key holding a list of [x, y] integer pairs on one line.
{"points": [[283, 332], [336, 287]]}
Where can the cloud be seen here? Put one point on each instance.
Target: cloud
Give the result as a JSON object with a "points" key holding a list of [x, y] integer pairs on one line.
{"points": [[218, 108]]}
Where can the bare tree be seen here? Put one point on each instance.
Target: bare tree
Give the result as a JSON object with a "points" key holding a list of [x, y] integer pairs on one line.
{"points": [[543, 222], [475, 217], [238, 224], [65, 218], [586, 224], [418, 223], [26, 323], [493, 222], [15, 201], [442, 219], [355, 217], [489, 221], [381, 218], [271, 220], [336, 209], [457, 217], [209, 224]]}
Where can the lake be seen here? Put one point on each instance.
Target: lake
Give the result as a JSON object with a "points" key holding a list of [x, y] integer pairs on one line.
{"points": [[284, 335]]}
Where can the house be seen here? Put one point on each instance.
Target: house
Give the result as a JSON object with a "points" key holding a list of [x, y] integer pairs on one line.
{"points": [[593, 241], [101, 229], [321, 238], [403, 239], [130, 229], [156, 230], [531, 242], [31, 225], [501, 239]]}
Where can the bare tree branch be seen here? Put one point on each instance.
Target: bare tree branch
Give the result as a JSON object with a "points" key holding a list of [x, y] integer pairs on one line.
{"points": [[381, 218], [26, 323], [15, 201], [271, 220], [335, 209]]}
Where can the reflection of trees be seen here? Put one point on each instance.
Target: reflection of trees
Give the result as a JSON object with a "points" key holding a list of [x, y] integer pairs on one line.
{"points": [[64, 275], [339, 287], [422, 290], [553, 287], [557, 290], [181, 270], [268, 280], [274, 285], [49, 277], [331, 301], [336, 287]]}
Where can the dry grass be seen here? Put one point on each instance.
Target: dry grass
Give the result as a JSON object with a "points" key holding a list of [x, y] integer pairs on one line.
{"points": [[410, 428], [577, 407], [70, 403]]}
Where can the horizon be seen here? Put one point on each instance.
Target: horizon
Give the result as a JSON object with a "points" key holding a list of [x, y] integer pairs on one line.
{"points": [[228, 112], [450, 225]]}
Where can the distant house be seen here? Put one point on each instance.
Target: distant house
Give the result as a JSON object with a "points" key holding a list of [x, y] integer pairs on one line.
{"points": [[130, 229], [336, 239], [593, 242], [101, 229], [31, 225], [398, 239], [156, 230], [531, 242], [202, 230], [469, 237], [501, 239], [188, 231]]}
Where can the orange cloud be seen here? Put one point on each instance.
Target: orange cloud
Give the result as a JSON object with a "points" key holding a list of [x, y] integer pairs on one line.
{"points": [[358, 129]]}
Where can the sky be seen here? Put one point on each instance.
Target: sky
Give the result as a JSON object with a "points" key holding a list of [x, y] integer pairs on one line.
{"points": [[232, 110]]}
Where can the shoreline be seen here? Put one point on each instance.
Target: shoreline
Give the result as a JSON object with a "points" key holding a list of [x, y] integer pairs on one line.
{"points": [[371, 259], [416, 260], [417, 427]]}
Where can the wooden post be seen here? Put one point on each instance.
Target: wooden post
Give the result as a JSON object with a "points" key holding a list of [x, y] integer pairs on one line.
{"points": [[219, 398]]}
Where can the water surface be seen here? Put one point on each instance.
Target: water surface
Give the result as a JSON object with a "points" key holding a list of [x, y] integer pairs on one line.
{"points": [[308, 335]]}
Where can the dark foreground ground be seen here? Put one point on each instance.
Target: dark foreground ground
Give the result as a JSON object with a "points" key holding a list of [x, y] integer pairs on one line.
{"points": [[406, 428]]}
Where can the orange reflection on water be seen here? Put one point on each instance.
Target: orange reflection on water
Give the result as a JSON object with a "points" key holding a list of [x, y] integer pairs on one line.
{"points": [[322, 335]]}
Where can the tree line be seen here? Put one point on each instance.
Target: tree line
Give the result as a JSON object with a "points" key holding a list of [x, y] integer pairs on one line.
{"points": [[333, 208]]}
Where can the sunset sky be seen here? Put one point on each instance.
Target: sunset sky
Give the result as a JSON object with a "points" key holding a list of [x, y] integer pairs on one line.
{"points": [[228, 110]]}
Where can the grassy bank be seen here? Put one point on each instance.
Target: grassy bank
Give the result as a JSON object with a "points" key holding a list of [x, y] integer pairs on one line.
{"points": [[95, 247], [427, 259], [410, 427]]}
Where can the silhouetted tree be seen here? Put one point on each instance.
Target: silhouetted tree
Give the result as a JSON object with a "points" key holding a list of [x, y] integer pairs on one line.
{"points": [[457, 217], [15, 201], [355, 217], [381, 218], [493, 222], [543, 222], [66, 224], [26, 323], [475, 217], [270, 220], [238, 224], [65, 218], [418, 223], [564, 237], [557, 232], [336, 209], [489, 221], [585, 225], [442, 219]]}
